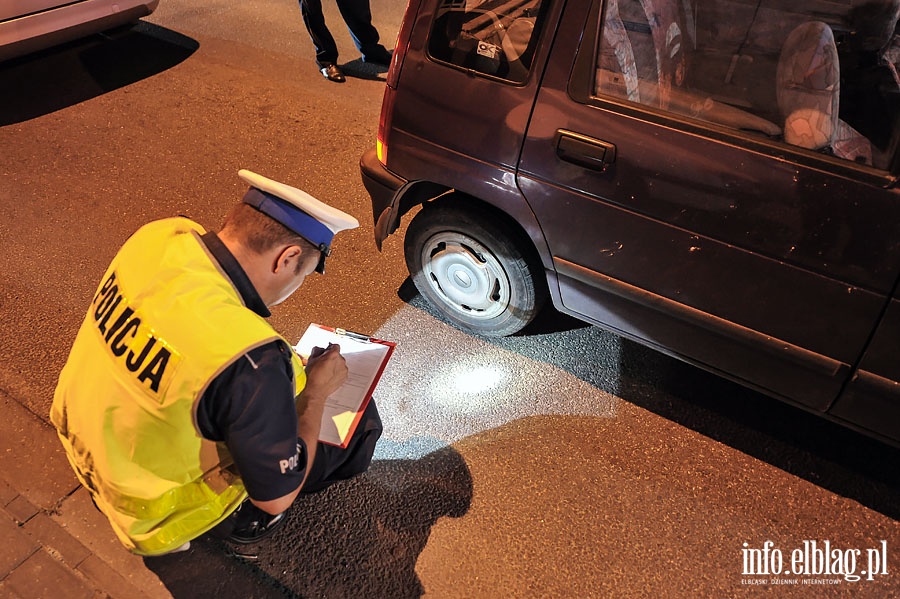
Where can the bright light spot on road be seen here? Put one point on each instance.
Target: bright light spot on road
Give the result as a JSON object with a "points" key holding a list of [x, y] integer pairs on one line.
{"points": [[479, 380], [469, 384], [443, 385]]}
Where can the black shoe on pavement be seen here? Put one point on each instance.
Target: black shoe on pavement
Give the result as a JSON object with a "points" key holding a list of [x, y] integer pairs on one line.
{"points": [[252, 524], [332, 73], [380, 57]]}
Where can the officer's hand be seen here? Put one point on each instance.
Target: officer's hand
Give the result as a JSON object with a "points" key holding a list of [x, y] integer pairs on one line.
{"points": [[326, 370]]}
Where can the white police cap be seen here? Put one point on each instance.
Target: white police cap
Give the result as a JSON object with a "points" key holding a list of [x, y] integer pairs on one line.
{"points": [[303, 214], [298, 200]]}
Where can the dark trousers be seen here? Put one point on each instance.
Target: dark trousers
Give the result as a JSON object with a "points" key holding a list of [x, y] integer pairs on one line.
{"points": [[358, 17], [333, 463]]}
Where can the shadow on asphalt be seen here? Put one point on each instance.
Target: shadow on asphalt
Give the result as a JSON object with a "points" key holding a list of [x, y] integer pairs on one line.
{"points": [[53, 79], [357, 538], [363, 70], [806, 445]]}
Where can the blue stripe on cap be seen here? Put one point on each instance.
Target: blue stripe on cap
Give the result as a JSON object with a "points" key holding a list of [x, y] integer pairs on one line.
{"points": [[292, 217]]}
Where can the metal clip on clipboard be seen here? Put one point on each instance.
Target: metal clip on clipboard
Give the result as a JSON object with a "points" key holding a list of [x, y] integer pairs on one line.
{"points": [[352, 335]]}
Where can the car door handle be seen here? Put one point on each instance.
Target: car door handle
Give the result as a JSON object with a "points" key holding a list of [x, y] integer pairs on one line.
{"points": [[584, 151]]}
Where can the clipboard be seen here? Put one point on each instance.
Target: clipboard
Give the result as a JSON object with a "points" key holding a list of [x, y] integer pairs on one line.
{"points": [[366, 358]]}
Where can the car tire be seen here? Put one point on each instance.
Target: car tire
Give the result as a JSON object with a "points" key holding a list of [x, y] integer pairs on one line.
{"points": [[473, 269]]}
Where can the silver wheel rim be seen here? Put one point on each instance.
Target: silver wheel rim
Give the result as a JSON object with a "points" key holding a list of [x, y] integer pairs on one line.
{"points": [[466, 275]]}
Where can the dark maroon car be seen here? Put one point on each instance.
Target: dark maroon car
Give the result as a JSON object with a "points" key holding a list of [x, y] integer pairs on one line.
{"points": [[713, 178]]}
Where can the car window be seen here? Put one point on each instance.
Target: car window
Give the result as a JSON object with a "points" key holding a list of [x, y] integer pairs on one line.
{"points": [[823, 80], [493, 37]]}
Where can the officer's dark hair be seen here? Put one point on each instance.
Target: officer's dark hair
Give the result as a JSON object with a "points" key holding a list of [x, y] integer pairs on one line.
{"points": [[259, 232]]}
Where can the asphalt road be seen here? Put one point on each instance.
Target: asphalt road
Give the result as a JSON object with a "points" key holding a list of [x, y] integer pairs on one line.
{"points": [[564, 462]]}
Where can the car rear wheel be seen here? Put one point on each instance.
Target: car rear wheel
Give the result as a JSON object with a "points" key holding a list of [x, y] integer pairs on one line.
{"points": [[470, 267]]}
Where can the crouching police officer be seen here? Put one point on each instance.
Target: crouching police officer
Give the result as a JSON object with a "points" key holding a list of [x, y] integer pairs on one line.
{"points": [[179, 400]]}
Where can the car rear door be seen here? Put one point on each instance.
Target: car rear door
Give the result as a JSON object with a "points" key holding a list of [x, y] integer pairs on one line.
{"points": [[872, 398], [681, 217]]}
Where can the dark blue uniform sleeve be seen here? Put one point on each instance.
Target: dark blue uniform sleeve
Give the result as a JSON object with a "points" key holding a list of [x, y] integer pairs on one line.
{"points": [[250, 407]]}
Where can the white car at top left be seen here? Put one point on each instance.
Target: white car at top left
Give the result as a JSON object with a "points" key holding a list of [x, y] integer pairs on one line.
{"points": [[30, 25]]}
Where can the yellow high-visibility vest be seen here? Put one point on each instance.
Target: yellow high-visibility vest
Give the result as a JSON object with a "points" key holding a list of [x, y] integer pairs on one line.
{"points": [[165, 321]]}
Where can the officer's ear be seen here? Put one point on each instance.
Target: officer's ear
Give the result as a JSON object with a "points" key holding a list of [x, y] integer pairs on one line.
{"points": [[288, 258]]}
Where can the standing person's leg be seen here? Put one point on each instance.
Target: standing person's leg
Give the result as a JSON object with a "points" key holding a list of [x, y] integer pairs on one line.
{"points": [[357, 14], [326, 48]]}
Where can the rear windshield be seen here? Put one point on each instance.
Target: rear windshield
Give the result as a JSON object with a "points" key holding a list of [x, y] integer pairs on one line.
{"points": [[817, 75], [495, 38]]}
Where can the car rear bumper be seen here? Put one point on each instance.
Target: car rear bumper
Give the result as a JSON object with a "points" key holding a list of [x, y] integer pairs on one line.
{"points": [[384, 188], [36, 31]]}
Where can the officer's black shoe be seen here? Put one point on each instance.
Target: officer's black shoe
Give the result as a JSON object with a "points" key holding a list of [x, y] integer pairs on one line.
{"points": [[252, 524]]}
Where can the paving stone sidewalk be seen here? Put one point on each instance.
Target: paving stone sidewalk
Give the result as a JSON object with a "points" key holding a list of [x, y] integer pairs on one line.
{"points": [[53, 542]]}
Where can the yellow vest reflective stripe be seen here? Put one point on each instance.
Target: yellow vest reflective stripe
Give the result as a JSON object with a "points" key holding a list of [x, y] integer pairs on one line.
{"points": [[165, 321]]}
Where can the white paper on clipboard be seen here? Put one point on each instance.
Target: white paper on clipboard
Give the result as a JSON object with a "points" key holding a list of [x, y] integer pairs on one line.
{"points": [[366, 358]]}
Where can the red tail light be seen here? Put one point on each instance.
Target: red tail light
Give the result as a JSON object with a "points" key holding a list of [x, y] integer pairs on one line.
{"points": [[384, 124], [393, 76]]}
